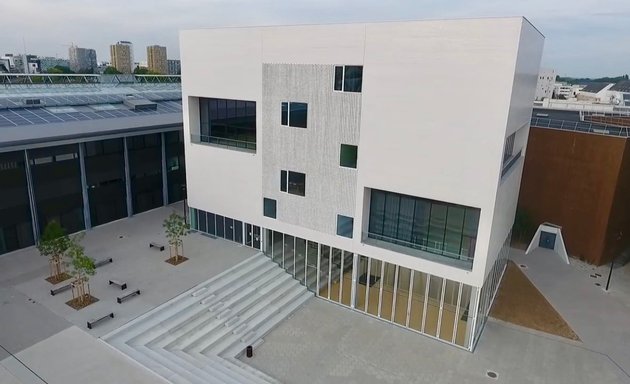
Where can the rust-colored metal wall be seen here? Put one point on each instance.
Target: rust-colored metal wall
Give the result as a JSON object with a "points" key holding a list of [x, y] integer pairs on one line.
{"points": [[618, 231], [571, 179]]}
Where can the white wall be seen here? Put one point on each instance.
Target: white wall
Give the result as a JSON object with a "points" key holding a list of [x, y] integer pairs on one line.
{"points": [[413, 139]]}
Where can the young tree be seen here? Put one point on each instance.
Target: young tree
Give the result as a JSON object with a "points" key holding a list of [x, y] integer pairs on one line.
{"points": [[82, 268], [54, 244], [176, 228]]}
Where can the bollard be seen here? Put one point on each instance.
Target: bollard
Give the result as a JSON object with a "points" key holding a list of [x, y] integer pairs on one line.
{"points": [[249, 351]]}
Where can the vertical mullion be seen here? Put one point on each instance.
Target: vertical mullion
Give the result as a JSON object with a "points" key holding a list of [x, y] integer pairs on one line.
{"points": [[128, 179], [84, 189], [380, 291], [330, 263], [459, 300], [283, 250], [164, 178], [395, 293], [319, 253], [439, 322], [343, 254], [294, 254], [31, 197], [426, 298], [367, 284], [353, 288], [410, 294]]}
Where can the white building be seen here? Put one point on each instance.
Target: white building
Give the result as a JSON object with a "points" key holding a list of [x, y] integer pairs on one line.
{"points": [[545, 84], [331, 149]]}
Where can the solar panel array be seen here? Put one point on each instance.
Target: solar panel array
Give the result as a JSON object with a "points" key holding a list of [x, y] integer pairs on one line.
{"points": [[65, 100], [40, 115]]}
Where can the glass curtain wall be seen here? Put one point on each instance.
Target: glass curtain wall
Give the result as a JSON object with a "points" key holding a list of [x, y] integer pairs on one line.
{"points": [[145, 170], [16, 230], [440, 228], [175, 166], [228, 122], [105, 177], [57, 186]]}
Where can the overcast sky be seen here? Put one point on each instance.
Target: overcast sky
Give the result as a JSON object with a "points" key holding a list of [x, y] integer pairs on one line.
{"points": [[583, 37]]}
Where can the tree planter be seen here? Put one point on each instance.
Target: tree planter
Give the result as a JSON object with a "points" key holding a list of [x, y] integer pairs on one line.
{"points": [[176, 228]]}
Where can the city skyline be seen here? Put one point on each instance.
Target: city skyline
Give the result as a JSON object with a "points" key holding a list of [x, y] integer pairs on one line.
{"points": [[589, 39]]}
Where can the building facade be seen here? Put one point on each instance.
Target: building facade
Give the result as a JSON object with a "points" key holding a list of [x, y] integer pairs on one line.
{"points": [[174, 67], [82, 60], [545, 84], [122, 56], [86, 158], [336, 161], [156, 59]]}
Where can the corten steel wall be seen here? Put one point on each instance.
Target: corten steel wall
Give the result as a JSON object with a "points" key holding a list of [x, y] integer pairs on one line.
{"points": [[618, 232], [570, 179]]}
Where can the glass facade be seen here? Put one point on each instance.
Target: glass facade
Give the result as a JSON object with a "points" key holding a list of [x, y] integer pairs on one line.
{"points": [[228, 122], [57, 186], [145, 171], [444, 309], [16, 230], [437, 227], [105, 177], [225, 227], [175, 166]]}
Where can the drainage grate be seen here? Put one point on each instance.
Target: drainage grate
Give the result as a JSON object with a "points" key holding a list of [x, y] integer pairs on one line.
{"points": [[492, 375], [523, 266]]}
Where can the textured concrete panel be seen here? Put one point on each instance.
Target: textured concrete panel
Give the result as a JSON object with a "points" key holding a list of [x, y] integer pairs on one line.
{"points": [[333, 119]]}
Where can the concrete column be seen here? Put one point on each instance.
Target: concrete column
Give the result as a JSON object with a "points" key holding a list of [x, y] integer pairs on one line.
{"points": [[31, 197], [164, 178], [127, 180], [84, 188], [355, 269]]}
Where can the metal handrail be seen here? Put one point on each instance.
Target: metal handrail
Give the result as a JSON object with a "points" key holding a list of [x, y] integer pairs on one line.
{"points": [[223, 142], [581, 126], [436, 249]]}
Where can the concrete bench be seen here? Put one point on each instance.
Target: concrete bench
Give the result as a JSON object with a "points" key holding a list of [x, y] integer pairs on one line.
{"points": [[120, 299], [63, 288], [94, 322], [118, 283], [156, 245], [100, 263]]}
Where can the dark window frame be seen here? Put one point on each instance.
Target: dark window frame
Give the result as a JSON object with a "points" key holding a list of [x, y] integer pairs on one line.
{"points": [[287, 112], [342, 83], [290, 182], [342, 223], [344, 161], [270, 208]]}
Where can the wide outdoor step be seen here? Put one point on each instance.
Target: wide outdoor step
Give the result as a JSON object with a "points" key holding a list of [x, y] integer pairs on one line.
{"points": [[196, 337], [233, 309], [175, 306]]}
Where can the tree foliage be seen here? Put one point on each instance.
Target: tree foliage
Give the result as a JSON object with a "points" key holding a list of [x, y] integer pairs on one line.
{"points": [[586, 80], [176, 228], [54, 241], [60, 69], [82, 266], [111, 71]]}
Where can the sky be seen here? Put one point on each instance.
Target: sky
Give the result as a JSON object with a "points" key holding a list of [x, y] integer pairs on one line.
{"points": [[584, 38]]}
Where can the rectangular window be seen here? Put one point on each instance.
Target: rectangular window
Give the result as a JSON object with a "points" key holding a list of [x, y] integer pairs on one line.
{"points": [[345, 225], [433, 226], [285, 114], [294, 114], [283, 181], [338, 86], [348, 156], [508, 148], [269, 207], [348, 78], [230, 123], [293, 182]]}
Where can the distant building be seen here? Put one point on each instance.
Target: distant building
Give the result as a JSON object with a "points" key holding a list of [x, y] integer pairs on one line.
{"points": [[82, 60], [48, 62], [565, 91], [122, 56], [156, 59], [174, 67], [545, 85]]}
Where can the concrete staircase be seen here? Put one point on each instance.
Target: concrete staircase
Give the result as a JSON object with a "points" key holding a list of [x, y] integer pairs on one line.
{"points": [[198, 336]]}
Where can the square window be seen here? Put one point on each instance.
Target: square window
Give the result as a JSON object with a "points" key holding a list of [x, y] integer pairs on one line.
{"points": [[348, 156], [285, 114], [353, 78], [283, 181], [297, 114], [345, 226], [338, 85], [297, 183], [269, 207]]}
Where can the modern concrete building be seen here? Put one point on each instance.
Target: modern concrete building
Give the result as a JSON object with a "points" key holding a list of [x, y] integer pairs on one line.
{"points": [[85, 155], [174, 67], [122, 56], [545, 85], [329, 148], [82, 60], [156, 59], [577, 176]]}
